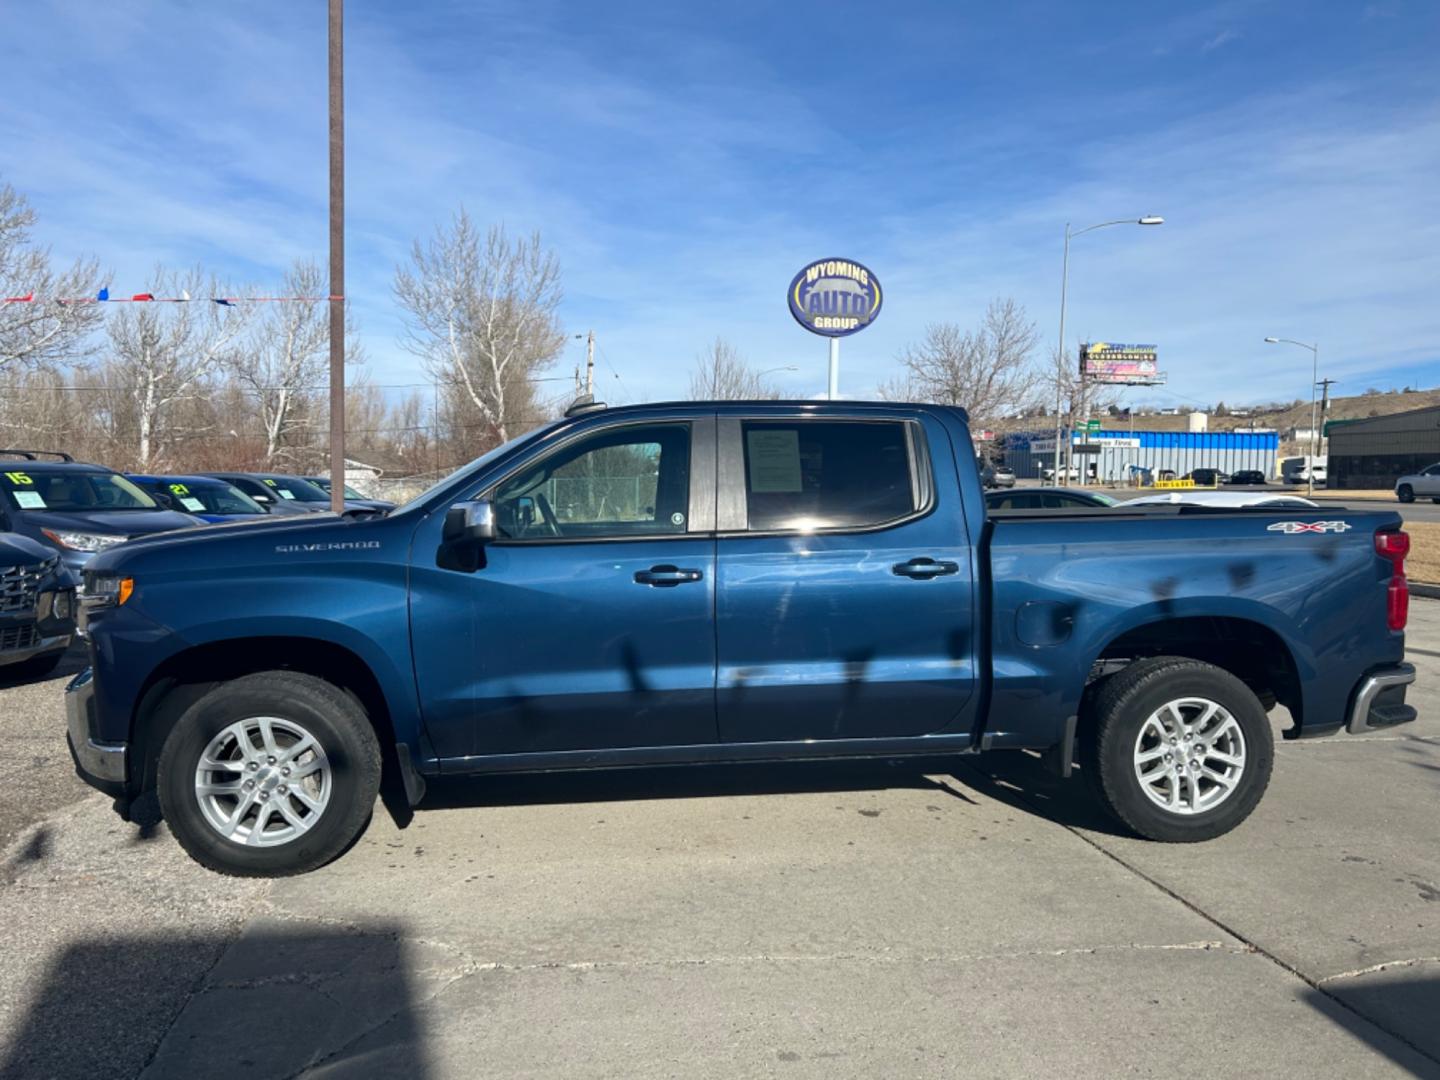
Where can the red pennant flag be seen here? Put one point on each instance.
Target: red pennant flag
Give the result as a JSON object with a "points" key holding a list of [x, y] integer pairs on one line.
{"points": [[143, 296], [21, 299]]}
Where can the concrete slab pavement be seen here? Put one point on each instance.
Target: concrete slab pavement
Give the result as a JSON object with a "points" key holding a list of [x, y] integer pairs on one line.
{"points": [[901, 920]]}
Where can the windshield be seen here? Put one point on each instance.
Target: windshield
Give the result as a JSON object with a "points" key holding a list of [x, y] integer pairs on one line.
{"points": [[483, 460], [212, 498], [72, 492], [1104, 500], [324, 484], [292, 488]]}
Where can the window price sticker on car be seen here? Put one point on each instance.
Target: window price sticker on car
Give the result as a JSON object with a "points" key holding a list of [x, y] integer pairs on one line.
{"points": [[29, 500], [774, 460]]}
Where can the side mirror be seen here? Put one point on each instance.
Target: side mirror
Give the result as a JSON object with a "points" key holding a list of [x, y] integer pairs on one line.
{"points": [[473, 521]]}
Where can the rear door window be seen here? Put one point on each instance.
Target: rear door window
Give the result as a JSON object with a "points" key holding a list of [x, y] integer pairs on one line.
{"points": [[802, 475]]}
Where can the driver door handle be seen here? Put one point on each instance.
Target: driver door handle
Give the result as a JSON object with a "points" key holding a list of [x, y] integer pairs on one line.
{"points": [[924, 568], [666, 576]]}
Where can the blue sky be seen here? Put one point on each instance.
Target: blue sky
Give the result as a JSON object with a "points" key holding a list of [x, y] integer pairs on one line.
{"points": [[685, 159]]}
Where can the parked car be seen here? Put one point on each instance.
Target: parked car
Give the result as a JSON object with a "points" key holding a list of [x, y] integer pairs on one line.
{"points": [[76, 508], [1301, 473], [207, 498], [1070, 472], [1209, 477], [277, 492], [1247, 477], [37, 608], [1232, 499], [735, 580], [353, 497], [1425, 483], [1046, 499]]}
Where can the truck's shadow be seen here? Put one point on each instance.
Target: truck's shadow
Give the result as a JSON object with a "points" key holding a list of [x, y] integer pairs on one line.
{"points": [[1021, 781], [687, 782], [272, 1003], [1401, 1004]]}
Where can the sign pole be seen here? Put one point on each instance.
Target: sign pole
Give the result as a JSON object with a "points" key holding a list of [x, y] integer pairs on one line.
{"points": [[337, 256], [834, 368]]}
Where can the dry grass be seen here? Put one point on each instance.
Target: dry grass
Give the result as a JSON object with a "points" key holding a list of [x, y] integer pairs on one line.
{"points": [[1423, 562], [1347, 493]]}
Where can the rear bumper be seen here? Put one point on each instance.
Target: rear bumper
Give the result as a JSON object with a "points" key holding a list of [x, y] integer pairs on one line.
{"points": [[101, 765], [1379, 699]]}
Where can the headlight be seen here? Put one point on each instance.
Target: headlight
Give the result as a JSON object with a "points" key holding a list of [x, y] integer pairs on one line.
{"points": [[79, 541], [107, 590]]}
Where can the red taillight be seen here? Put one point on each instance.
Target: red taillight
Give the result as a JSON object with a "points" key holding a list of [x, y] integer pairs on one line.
{"points": [[1395, 546]]}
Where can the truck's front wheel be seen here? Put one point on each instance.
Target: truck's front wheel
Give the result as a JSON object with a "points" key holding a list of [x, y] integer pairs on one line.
{"points": [[267, 775], [1179, 750]]}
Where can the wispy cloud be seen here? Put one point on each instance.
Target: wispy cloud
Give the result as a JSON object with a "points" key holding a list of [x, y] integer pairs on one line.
{"points": [[1224, 37]]}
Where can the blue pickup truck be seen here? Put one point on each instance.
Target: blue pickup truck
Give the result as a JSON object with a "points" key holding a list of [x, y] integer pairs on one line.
{"points": [[703, 582]]}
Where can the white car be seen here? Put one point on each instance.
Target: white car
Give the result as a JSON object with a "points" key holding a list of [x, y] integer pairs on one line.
{"points": [[1047, 472], [1301, 475], [1425, 483], [1221, 498]]}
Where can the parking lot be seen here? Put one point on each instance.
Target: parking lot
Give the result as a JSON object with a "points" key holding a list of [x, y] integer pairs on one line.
{"points": [[960, 917]]}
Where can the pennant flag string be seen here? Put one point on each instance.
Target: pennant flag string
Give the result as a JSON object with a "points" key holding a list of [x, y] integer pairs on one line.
{"points": [[104, 297]]}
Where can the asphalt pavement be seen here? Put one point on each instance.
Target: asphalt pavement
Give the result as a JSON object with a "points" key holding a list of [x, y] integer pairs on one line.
{"points": [[962, 917]]}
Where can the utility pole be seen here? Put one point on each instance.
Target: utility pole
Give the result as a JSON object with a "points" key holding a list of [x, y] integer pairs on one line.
{"points": [[1325, 385], [337, 256], [590, 365]]}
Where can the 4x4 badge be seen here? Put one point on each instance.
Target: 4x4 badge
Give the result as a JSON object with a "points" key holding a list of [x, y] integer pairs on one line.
{"points": [[1290, 527]]}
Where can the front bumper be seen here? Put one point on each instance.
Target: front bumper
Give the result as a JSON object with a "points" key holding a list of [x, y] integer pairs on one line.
{"points": [[101, 765], [37, 646], [1379, 700]]}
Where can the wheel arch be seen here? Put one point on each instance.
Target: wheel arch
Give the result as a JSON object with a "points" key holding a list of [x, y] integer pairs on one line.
{"points": [[183, 678], [1254, 652]]}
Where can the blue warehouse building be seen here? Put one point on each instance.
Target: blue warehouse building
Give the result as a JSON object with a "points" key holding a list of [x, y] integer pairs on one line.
{"points": [[1119, 453]]}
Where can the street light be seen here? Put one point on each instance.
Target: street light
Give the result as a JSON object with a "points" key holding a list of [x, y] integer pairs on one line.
{"points": [[1314, 378], [1149, 219]]}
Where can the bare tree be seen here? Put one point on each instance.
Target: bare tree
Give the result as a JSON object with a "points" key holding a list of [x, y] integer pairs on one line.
{"points": [[482, 315], [1061, 384], [284, 364], [721, 374], [163, 353], [41, 330], [989, 370]]}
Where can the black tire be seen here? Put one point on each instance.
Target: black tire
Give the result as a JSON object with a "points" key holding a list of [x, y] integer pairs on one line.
{"points": [[1118, 711], [1405, 493], [38, 667], [332, 717]]}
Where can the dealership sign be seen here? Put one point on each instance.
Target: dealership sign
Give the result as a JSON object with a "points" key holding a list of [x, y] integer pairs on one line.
{"points": [[1127, 365], [835, 297]]}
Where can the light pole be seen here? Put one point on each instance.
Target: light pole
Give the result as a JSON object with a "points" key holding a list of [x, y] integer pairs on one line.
{"points": [[1064, 281], [1314, 378]]}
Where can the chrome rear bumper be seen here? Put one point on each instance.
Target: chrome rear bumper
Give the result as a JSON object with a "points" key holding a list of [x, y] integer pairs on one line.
{"points": [[1366, 714]]}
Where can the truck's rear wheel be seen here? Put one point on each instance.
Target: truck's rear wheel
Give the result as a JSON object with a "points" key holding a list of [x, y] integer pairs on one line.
{"points": [[1179, 750], [271, 774]]}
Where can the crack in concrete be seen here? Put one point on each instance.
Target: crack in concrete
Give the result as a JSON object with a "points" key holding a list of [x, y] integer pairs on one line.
{"points": [[1384, 965]]}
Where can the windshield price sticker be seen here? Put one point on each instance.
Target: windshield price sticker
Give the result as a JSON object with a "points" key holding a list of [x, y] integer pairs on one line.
{"points": [[192, 504], [283, 493], [29, 500]]}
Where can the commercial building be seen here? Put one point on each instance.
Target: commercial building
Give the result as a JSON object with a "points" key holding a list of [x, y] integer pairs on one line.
{"points": [[1373, 453], [1115, 455]]}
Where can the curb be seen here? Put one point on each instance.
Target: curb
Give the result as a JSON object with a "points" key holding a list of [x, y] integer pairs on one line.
{"points": [[1429, 592]]}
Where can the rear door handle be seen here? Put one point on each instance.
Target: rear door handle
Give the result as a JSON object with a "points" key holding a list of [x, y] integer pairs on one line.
{"points": [[666, 576], [925, 568]]}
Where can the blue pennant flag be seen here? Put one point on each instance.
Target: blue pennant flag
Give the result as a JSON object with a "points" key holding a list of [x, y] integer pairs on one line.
{"points": [[222, 301], [104, 294]]}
